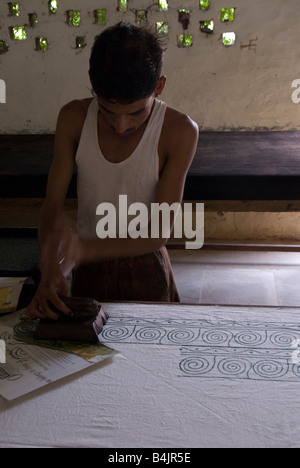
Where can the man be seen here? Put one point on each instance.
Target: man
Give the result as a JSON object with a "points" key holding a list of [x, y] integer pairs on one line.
{"points": [[124, 141]]}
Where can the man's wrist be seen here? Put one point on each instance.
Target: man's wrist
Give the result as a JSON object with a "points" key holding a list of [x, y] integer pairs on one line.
{"points": [[49, 268]]}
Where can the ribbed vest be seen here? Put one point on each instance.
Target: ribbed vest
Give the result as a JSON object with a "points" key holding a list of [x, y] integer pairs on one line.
{"points": [[99, 180]]}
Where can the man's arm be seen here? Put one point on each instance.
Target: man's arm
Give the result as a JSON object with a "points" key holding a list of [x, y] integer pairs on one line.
{"points": [[181, 138], [52, 225]]}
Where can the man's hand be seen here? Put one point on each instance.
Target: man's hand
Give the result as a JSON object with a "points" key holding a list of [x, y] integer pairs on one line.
{"points": [[49, 290], [60, 253]]}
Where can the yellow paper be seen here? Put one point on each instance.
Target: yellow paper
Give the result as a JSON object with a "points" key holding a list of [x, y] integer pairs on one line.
{"points": [[10, 290]]}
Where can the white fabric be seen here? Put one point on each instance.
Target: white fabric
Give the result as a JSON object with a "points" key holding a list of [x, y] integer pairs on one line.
{"points": [[186, 376], [100, 180]]}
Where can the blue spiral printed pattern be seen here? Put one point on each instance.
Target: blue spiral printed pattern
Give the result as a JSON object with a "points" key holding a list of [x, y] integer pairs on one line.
{"points": [[217, 349]]}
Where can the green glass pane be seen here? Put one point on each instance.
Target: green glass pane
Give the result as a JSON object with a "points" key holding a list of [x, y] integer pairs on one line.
{"points": [[53, 6], [204, 4], [122, 6], [80, 42], [228, 38], [42, 43], [74, 17], [163, 5], [19, 33], [227, 14], [141, 16], [14, 8], [185, 40], [184, 17], [207, 26], [100, 16], [3, 47], [33, 19], [162, 27]]}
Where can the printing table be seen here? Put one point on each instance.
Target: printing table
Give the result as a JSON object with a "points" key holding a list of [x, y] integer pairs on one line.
{"points": [[185, 376]]}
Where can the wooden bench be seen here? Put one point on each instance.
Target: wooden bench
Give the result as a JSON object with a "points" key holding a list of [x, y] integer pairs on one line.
{"points": [[231, 171], [243, 170]]}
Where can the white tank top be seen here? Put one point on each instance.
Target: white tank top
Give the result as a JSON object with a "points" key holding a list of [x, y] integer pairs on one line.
{"points": [[99, 180]]}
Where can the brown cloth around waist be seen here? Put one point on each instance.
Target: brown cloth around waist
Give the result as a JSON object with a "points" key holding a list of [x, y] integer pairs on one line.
{"points": [[144, 278]]}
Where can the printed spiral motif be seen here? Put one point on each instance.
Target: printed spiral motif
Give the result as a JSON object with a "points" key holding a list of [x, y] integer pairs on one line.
{"points": [[283, 339], [25, 328], [149, 334], [249, 338], [233, 367], [116, 333], [269, 369], [195, 366], [296, 370], [216, 337], [236, 351], [181, 336], [6, 336], [19, 354]]}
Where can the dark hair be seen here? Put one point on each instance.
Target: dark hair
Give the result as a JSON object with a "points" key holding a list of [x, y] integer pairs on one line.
{"points": [[126, 62]]}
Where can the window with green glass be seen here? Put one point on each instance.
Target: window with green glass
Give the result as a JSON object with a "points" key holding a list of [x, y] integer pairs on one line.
{"points": [[3, 47], [228, 38], [163, 5], [162, 27], [41, 43], [74, 17], [100, 16], [184, 40], [227, 14], [33, 19], [80, 42], [122, 5], [184, 17], [207, 27], [141, 16], [14, 9], [53, 6], [204, 4], [18, 33]]}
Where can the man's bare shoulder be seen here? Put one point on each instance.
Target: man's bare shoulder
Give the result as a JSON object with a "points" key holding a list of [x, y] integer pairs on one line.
{"points": [[179, 129], [72, 116], [77, 107], [180, 123]]}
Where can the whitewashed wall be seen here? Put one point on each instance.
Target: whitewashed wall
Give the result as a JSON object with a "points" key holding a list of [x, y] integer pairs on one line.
{"points": [[246, 86]]}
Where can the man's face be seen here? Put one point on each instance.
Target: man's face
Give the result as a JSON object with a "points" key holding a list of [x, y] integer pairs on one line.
{"points": [[125, 119]]}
